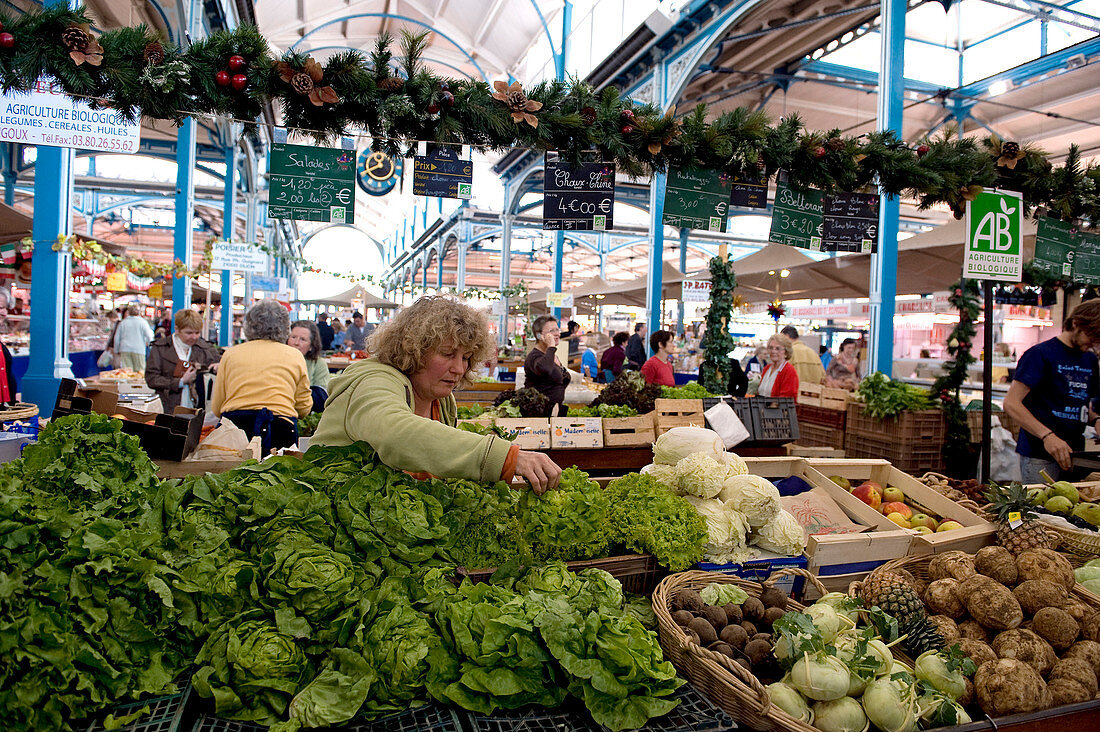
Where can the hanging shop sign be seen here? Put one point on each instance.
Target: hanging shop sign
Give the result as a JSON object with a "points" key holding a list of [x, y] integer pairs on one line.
{"points": [[749, 192], [45, 116], [156, 292], [994, 237], [116, 281], [1086, 260], [850, 222], [697, 198], [797, 218], [377, 173], [578, 197], [237, 256], [311, 184], [265, 283], [695, 291], [559, 299], [1056, 244], [443, 174]]}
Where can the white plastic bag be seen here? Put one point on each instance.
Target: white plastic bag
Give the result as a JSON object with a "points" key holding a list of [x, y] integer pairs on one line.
{"points": [[1004, 464], [226, 442], [723, 420]]}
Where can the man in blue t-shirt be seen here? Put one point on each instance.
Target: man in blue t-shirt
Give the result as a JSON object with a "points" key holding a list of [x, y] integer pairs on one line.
{"points": [[1051, 395]]}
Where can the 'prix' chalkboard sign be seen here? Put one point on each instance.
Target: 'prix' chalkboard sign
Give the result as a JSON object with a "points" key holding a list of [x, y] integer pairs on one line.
{"points": [[311, 184], [697, 198], [749, 192], [443, 174], [580, 197], [1056, 244], [850, 222], [796, 217]]}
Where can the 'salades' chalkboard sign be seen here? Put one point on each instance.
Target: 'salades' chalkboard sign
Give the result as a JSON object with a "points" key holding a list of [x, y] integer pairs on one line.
{"points": [[443, 174], [311, 184], [749, 192], [580, 197], [697, 198], [796, 216], [850, 222]]}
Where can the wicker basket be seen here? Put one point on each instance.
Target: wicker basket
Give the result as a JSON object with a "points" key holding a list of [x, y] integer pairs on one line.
{"points": [[724, 681], [1080, 546]]}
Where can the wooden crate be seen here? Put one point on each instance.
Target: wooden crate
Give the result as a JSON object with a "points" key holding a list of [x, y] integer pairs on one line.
{"points": [[816, 435], [531, 433], [576, 432], [974, 420], [835, 398], [812, 451], [679, 413], [976, 531], [630, 431], [483, 392], [809, 394]]}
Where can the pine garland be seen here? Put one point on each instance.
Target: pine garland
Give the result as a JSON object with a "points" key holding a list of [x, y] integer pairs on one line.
{"points": [[397, 109], [956, 447], [717, 341]]}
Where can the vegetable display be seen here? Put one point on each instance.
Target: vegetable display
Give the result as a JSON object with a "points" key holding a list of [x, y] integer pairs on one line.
{"points": [[630, 389], [607, 411], [690, 390], [883, 397], [302, 593]]}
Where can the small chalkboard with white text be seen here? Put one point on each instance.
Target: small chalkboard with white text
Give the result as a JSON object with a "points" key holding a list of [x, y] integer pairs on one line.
{"points": [[850, 222], [578, 197]]}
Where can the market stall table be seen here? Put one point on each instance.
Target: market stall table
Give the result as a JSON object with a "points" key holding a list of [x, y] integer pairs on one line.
{"points": [[601, 461]]}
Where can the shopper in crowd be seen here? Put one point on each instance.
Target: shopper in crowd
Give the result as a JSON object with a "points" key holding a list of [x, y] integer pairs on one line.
{"points": [[572, 336], [177, 361], [112, 325], [542, 369], [657, 369], [611, 362], [843, 371], [356, 337], [262, 385], [131, 339], [738, 383], [755, 365], [1055, 384], [805, 361], [780, 378], [825, 355], [325, 331], [590, 366], [635, 347], [400, 400], [9, 386], [306, 337], [339, 333]]}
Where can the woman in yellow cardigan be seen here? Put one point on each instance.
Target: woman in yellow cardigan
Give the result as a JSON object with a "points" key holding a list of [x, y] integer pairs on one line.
{"points": [[262, 385], [400, 400]]}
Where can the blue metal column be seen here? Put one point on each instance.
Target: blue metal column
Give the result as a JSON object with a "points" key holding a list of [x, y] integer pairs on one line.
{"points": [[424, 279], [656, 251], [228, 219], [185, 209], [684, 231], [884, 265], [49, 328], [439, 272], [10, 174], [559, 263]]}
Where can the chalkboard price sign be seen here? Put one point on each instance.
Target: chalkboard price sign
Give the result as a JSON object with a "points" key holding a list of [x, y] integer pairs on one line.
{"points": [[796, 217], [696, 198], [311, 184], [443, 174], [578, 197], [1056, 246], [749, 192], [1086, 262], [850, 222]]}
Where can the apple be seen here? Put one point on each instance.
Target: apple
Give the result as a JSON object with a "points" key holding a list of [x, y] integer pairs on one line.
{"points": [[868, 495], [896, 507], [877, 486], [893, 494], [898, 519], [922, 529], [948, 526], [923, 519]]}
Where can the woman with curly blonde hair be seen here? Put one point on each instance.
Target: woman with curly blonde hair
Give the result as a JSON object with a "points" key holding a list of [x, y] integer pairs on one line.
{"points": [[400, 400]]}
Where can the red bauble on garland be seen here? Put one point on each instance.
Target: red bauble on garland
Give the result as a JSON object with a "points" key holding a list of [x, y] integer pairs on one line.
{"points": [[922, 150], [7, 40], [221, 78], [239, 81], [448, 99], [433, 108], [237, 63], [626, 129], [818, 152]]}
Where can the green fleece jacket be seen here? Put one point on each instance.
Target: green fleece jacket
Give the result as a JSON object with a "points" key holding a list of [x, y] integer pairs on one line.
{"points": [[373, 403]]}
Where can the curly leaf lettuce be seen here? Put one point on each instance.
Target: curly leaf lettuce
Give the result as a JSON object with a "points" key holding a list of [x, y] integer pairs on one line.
{"points": [[568, 523], [650, 518]]}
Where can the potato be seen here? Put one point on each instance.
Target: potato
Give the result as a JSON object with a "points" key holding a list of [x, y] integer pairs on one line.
{"points": [[1008, 686], [1045, 564], [997, 563], [951, 565], [1035, 594], [994, 606]]}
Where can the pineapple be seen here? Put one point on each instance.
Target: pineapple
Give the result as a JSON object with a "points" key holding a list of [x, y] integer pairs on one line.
{"points": [[1028, 535], [921, 635], [894, 595]]}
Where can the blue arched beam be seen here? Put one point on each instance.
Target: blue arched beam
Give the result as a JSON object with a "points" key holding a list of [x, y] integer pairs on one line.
{"points": [[405, 18]]}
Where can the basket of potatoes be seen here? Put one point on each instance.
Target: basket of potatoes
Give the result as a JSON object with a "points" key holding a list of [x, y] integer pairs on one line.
{"points": [[1031, 630], [725, 648]]}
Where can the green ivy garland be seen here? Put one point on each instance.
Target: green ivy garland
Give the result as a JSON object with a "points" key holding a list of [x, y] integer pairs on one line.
{"points": [[717, 341], [233, 73], [957, 456]]}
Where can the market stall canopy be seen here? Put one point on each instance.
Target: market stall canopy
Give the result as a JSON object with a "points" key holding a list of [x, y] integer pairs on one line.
{"points": [[357, 293], [928, 262], [14, 225], [585, 291]]}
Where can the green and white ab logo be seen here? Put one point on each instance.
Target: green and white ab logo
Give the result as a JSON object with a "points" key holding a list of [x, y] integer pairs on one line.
{"points": [[994, 238]]}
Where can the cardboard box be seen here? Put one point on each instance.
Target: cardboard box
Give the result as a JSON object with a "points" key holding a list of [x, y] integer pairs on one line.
{"points": [[576, 432], [630, 431], [531, 433], [976, 531], [678, 413]]}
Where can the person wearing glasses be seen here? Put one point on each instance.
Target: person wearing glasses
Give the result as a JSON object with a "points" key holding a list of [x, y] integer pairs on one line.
{"points": [[542, 369]]}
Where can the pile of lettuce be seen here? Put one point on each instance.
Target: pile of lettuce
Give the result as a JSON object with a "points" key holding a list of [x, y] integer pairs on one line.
{"points": [[303, 593]]}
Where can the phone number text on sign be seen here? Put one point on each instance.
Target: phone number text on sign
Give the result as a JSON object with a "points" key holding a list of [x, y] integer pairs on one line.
{"points": [[45, 116]]}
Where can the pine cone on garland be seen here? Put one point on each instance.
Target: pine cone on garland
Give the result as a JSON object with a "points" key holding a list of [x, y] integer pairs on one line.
{"points": [[301, 83], [307, 81], [1010, 155], [83, 48], [75, 38], [154, 54], [391, 84]]}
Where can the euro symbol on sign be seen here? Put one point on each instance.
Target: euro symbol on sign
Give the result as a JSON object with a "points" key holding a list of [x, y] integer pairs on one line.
{"points": [[720, 209], [379, 166], [344, 196], [605, 205]]}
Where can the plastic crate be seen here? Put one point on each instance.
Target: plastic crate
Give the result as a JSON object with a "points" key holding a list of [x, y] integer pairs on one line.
{"points": [[168, 713], [926, 425], [693, 714], [913, 457], [774, 420], [638, 573], [816, 435], [808, 414], [429, 718]]}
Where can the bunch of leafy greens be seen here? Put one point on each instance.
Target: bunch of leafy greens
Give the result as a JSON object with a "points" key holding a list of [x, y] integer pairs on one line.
{"points": [[607, 411], [630, 389], [649, 518], [481, 429], [691, 390], [471, 412], [307, 425], [568, 523], [883, 397], [526, 402]]}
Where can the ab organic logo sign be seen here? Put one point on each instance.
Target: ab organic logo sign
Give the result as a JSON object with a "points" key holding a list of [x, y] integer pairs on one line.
{"points": [[994, 236]]}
